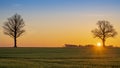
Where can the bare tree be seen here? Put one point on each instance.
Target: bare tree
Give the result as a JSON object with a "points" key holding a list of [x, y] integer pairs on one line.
{"points": [[14, 27], [104, 31]]}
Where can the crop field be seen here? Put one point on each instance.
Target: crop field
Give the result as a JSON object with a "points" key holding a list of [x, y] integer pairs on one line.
{"points": [[60, 57]]}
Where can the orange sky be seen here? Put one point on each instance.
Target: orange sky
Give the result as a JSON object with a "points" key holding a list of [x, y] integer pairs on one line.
{"points": [[58, 35]]}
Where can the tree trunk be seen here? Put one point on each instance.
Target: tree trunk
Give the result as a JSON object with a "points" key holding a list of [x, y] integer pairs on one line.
{"points": [[15, 39], [103, 41], [15, 42]]}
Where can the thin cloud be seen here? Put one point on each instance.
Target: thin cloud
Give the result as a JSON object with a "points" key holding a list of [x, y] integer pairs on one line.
{"points": [[17, 5]]}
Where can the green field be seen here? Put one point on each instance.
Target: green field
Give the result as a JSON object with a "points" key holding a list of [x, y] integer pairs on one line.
{"points": [[59, 57]]}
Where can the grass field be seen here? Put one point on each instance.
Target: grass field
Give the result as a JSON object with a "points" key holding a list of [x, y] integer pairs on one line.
{"points": [[60, 57]]}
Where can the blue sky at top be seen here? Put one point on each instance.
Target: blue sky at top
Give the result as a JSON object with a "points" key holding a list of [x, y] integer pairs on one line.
{"points": [[60, 5]]}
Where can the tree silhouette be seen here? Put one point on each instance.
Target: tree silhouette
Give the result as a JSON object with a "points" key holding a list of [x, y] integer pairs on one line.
{"points": [[104, 31], [14, 27]]}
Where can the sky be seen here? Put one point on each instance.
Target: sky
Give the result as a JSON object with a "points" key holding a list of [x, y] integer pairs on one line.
{"points": [[53, 23]]}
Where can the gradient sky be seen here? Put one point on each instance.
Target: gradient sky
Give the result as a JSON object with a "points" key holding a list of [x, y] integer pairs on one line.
{"points": [[52, 23]]}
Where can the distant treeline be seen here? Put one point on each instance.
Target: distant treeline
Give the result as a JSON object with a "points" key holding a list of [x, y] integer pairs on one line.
{"points": [[89, 45]]}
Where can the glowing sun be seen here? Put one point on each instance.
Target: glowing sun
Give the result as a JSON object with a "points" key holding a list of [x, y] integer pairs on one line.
{"points": [[98, 44]]}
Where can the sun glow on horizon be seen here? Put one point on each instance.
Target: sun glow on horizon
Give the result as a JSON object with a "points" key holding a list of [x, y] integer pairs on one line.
{"points": [[99, 44]]}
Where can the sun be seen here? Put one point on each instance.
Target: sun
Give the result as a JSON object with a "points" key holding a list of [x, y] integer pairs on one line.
{"points": [[98, 44]]}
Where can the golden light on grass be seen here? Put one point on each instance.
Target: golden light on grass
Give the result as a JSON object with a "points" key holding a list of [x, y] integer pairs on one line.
{"points": [[99, 49]]}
